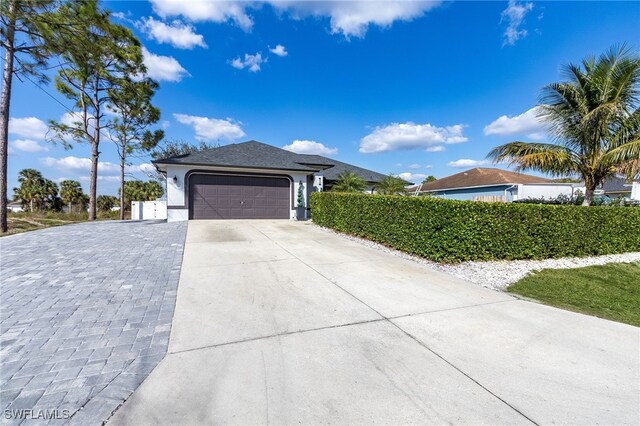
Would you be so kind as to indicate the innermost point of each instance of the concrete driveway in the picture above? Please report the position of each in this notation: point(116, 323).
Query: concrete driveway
point(281, 322)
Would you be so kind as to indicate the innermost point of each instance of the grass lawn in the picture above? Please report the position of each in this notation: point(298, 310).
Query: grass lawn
point(609, 291)
point(25, 221)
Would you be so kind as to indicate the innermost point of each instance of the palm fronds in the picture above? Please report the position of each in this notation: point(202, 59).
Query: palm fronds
point(592, 119)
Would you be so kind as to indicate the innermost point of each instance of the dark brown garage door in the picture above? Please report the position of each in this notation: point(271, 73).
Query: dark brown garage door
point(238, 197)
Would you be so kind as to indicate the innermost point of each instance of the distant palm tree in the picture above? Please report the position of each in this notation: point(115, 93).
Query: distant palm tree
point(349, 182)
point(71, 193)
point(31, 187)
point(593, 120)
point(391, 185)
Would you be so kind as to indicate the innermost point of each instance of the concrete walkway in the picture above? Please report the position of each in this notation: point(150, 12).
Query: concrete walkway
point(279, 322)
point(85, 315)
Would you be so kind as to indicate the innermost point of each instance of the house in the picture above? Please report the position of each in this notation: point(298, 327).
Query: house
point(616, 187)
point(15, 206)
point(249, 180)
point(490, 184)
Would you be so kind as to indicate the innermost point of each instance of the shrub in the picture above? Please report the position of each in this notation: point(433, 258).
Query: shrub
point(455, 231)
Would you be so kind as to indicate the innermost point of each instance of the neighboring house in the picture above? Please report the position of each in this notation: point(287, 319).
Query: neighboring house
point(249, 180)
point(15, 206)
point(616, 187)
point(488, 184)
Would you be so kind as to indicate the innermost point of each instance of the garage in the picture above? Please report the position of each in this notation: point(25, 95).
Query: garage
point(213, 196)
point(248, 180)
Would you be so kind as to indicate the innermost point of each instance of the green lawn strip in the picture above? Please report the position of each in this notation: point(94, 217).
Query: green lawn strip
point(609, 291)
point(17, 226)
point(55, 222)
point(24, 221)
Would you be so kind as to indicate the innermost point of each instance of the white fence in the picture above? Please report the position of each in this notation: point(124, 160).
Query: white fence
point(147, 210)
point(547, 191)
point(635, 191)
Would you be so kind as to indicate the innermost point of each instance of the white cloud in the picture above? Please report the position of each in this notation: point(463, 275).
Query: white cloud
point(350, 18)
point(100, 178)
point(71, 119)
point(28, 145)
point(28, 127)
point(163, 68)
point(252, 62)
point(465, 162)
point(353, 18)
point(83, 164)
point(177, 34)
point(206, 10)
point(414, 166)
point(406, 136)
point(514, 15)
point(72, 163)
point(310, 147)
point(437, 148)
point(208, 129)
point(165, 124)
point(279, 50)
point(145, 168)
point(428, 166)
point(412, 177)
point(526, 123)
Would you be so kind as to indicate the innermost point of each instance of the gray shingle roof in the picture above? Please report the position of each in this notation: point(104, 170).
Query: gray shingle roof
point(338, 167)
point(615, 184)
point(250, 154)
point(253, 154)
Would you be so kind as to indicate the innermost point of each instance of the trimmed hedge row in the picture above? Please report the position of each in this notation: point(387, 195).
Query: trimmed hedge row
point(455, 231)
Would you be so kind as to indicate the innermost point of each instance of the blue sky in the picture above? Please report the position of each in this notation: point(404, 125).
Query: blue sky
point(409, 88)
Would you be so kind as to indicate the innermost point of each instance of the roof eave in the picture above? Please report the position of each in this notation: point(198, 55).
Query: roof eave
point(470, 187)
point(172, 163)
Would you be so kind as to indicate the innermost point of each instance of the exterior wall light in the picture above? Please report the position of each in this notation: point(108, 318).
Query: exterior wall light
point(175, 179)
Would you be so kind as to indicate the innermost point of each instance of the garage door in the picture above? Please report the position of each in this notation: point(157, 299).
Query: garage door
point(238, 197)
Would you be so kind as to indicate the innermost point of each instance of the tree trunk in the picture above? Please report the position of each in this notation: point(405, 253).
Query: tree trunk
point(122, 155)
point(588, 195)
point(31, 205)
point(95, 143)
point(5, 101)
point(93, 183)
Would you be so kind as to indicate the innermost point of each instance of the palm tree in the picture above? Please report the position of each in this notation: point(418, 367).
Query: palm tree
point(71, 193)
point(593, 121)
point(349, 182)
point(31, 185)
point(391, 185)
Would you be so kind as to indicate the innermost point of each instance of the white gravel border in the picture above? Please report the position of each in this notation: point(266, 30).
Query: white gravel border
point(497, 275)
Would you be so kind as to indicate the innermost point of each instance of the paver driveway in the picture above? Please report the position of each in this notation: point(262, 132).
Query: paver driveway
point(85, 315)
point(280, 322)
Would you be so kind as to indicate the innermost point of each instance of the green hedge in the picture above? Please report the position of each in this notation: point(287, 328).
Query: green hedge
point(456, 231)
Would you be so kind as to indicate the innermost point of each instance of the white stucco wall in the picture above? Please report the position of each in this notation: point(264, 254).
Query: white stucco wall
point(175, 188)
point(177, 215)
